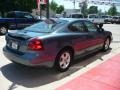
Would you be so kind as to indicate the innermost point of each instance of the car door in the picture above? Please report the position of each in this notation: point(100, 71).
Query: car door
point(97, 38)
point(80, 39)
point(20, 20)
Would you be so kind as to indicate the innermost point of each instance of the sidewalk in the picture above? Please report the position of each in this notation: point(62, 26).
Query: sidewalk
point(105, 76)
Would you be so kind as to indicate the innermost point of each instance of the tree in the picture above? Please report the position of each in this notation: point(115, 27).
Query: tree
point(113, 10)
point(5, 6)
point(15, 5)
point(53, 5)
point(25, 5)
point(60, 9)
point(93, 10)
point(99, 12)
point(84, 8)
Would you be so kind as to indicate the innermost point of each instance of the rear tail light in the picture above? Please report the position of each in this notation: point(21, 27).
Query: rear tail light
point(35, 44)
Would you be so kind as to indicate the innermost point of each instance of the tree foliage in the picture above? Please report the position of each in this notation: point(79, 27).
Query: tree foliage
point(60, 9)
point(56, 8)
point(112, 11)
point(17, 5)
point(93, 10)
point(53, 5)
point(84, 8)
point(99, 12)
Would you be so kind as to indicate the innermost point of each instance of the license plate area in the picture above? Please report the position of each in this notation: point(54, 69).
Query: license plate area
point(14, 45)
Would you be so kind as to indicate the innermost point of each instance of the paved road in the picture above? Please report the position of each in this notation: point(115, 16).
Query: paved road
point(13, 77)
point(115, 29)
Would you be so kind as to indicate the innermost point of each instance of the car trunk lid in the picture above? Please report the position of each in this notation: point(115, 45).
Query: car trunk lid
point(18, 41)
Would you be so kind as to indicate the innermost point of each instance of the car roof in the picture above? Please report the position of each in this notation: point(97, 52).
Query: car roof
point(76, 13)
point(17, 12)
point(70, 19)
point(92, 14)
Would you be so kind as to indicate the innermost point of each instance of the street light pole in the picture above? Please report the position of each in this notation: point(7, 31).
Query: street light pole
point(47, 9)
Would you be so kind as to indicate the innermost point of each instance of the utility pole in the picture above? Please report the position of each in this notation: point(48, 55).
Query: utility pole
point(74, 2)
point(47, 9)
point(40, 11)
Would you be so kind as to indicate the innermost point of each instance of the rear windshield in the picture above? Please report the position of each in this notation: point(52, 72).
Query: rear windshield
point(93, 16)
point(47, 26)
point(115, 17)
point(105, 16)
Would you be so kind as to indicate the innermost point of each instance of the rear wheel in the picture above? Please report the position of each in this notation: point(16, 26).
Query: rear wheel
point(3, 30)
point(106, 45)
point(63, 60)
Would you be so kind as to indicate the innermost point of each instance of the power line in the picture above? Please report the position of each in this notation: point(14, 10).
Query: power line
point(105, 2)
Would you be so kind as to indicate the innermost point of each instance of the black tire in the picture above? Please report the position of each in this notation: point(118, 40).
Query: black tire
point(106, 45)
point(60, 67)
point(3, 30)
point(16, 63)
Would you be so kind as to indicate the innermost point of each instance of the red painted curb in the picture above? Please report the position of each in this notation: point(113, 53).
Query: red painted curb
point(105, 76)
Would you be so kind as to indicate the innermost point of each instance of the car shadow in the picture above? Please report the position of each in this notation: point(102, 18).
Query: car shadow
point(34, 77)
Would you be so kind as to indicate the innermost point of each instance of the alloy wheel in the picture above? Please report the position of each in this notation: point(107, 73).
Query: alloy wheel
point(3, 30)
point(64, 60)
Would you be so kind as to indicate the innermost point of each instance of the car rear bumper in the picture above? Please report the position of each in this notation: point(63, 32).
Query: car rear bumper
point(23, 60)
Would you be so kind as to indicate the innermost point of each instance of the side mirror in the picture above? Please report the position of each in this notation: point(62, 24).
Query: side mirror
point(100, 30)
point(100, 25)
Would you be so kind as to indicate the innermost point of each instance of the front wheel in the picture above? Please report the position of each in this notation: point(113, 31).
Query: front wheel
point(106, 45)
point(3, 30)
point(63, 60)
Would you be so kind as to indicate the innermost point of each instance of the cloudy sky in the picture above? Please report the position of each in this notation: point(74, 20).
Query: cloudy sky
point(69, 4)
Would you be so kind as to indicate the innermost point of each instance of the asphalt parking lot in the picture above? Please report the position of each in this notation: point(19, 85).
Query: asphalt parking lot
point(13, 77)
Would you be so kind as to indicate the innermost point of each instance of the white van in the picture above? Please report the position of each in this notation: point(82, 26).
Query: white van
point(95, 19)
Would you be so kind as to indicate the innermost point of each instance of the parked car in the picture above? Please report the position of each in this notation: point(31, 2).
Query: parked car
point(55, 43)
point(16, 20)
point(115, 19)
point(76, 15)
point(107, 18)
point(95, 19)
point(59, 16)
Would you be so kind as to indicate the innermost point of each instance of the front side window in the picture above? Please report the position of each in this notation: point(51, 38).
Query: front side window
point(28, 16)
point(77, 26)
point(90, 26)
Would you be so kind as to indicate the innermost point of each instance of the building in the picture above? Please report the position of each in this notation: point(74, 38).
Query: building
point(70, 11)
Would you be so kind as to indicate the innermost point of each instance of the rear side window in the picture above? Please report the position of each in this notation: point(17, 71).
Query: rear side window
point(90, 26)
point(10, 15)
point(76, 26)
